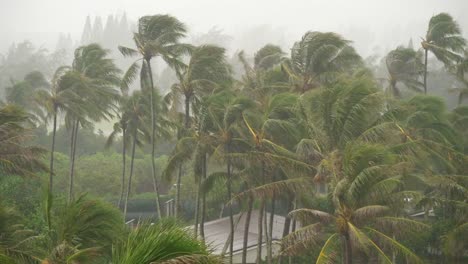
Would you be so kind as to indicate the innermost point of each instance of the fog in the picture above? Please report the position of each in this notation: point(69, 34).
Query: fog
point(375, 26)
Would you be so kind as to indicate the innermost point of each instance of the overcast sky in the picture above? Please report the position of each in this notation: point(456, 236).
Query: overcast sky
point(388, 21)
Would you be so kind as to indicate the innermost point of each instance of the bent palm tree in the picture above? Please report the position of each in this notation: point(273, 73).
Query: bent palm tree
point(444, 40)
point(206, 70)
point(364, 199)
point(318, 58)
point(164, 242)
point(157, 36)
point(16, 157)
point(404, 65)
point(94, 78)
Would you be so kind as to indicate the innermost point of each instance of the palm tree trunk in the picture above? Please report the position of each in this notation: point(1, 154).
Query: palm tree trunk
point(270, 230)
point(425, 70)
point(124, 153)
point(293, 227)
point(460, 98)
point(246, 229)
point(348, 254)
point(74, 137)
point(231, 217)
point(52, 150)
point(153, 135)
point(287, 224)
point(260, 220)
point(129, 185)
point(197, 208)
point(261, 210)
point(267, 234)
point(203, 206)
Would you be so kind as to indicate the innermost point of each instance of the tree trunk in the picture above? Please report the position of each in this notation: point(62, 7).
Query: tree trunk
point(52, 150)
point(197, 207)
point(293, 227)
point(203, 206)
point(246, 228)
point(460, 98)
point(124, 153)
point(153, 135)
point(178, 182)
point(267, 234)
point(261, 210)
point(425, 70)
point(287, 224)
point(260, 220)
point(348, 253)
point(231, 217)
point(270, 230)
point(187, 112)
point(74, 137)
point(130, 177)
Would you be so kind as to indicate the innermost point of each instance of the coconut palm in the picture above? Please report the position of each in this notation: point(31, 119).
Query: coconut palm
point(22, 93)
point(135, 110)
point(55, 99)
point(318, 58)
point(405, 66)
point(81, 231)
point(460, 69)
point(163, 242)
point(17, 158)
point(365, 223)
point(444, 40)
point(121, 127)
point(157, 36)
point(225, 111)
point(206, 70)
point(94, 77)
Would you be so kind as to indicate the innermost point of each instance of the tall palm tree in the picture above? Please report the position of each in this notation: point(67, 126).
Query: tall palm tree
point(225, 110)
point(444, 40)
point(95, 79)
point(121, 127)
point(364, 224)
point(404, 65)
point(136, 111)
point(55, 99)
point(206, 70)
point(318, 58)
point(157, 36)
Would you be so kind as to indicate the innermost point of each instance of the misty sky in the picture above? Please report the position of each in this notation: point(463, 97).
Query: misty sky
point(367, 22)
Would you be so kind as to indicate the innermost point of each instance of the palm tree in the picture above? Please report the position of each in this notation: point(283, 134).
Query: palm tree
point(225, 110)
point(404, 65)
point(22, 93)
point(55, 99)
point(164, 242)
point(136, 115)
point(94, 77)
point(461, 68)
point(17, 158)
point(121, 127)
point(365, 199)
point(206, 70)
point(77, 232)
point(157, 36)
point(267, 128)
point(444, 40)
point(318, 58)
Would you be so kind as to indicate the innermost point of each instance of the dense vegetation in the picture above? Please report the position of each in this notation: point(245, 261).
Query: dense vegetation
point(365, 161)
